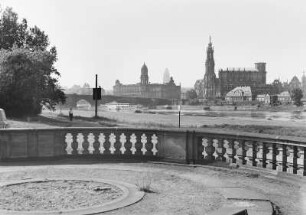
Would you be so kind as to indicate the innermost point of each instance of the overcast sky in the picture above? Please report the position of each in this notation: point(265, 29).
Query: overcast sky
point(113, 38)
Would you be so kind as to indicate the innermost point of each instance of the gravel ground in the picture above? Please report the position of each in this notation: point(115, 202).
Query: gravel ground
point(56, 195)
point(174, 189)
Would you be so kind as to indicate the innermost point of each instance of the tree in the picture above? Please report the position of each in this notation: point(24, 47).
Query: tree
point(296, 96)
point(199, 87)
point(191, 95)
point(277, 86)
point(28, 78)
point(28, 81)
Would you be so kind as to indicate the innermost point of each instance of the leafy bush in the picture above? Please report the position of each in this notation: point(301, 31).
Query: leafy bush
point(28, 78)
point(296, 96)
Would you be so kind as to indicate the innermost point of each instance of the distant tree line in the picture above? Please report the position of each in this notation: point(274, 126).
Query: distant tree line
point(86, 89)
point(28, 78)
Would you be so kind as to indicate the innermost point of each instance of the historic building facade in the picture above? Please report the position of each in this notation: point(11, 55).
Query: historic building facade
point(212, 87)
point(145, 89)
point(254, 78)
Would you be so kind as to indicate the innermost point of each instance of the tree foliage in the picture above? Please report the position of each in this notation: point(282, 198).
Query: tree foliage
point(296, 96)
point(28, 78)
point(192, 97)
point(277, 86)
point(191, 94)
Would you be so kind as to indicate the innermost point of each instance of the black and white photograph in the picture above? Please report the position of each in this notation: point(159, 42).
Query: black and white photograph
point(156, 107)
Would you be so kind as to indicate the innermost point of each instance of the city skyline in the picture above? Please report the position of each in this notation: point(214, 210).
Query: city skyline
point(114, 38)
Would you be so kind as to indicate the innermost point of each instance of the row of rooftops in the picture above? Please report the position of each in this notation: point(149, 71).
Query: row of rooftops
point(237, 69)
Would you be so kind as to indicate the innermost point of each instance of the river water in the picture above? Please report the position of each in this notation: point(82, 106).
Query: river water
point(273, 115)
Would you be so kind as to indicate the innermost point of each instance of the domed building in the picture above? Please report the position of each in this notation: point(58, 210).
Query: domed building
point(145, 89)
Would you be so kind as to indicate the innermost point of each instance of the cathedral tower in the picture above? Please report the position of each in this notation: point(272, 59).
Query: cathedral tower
point(144, 78)
point(209, 91)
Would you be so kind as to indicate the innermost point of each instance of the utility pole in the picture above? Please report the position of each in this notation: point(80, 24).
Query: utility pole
point(96, 98)
point(179, 109)
point(96, 94)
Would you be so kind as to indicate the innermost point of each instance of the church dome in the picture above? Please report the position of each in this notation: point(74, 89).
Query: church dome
point(144, 69)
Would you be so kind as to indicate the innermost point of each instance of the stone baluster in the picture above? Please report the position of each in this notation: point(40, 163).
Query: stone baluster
point(227, 150)
point(279, 157)
point(112, 140)
point(269, 155)
point(220, 149)
point(201, 148)
point(133, 141)
point(68, 143)
point(154, 140)
point(144, 141)
point(80, 140)
point(91, 141)
point(290, 158)
point(237, 151)
point(101, 140)
point(122, 140)
point(215, 145)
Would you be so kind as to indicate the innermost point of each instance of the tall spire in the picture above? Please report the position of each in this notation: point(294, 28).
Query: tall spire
point(209, 76)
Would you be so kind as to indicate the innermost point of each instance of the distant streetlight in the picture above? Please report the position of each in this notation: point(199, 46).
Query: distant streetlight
point(179, 119)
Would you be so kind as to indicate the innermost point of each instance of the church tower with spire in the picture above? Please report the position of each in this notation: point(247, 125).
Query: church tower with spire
point(210, 88)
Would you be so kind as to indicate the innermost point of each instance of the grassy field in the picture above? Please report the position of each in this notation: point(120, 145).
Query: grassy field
point(286, 126)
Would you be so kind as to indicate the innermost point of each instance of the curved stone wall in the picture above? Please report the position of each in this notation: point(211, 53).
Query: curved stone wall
point(285, 154)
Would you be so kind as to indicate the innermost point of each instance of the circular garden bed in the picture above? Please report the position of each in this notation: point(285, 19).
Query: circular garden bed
point(53, 196)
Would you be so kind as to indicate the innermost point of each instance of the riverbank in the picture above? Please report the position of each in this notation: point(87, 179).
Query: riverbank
point(256, 122)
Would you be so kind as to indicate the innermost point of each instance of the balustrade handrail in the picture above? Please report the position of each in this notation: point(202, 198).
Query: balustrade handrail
point(268, 138)
point(195, 145)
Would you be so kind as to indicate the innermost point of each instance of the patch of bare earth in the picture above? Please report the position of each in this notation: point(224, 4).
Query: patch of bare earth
point(169, 193)
point(56, 195)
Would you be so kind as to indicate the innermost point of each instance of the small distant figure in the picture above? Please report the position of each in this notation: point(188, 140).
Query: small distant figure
point(70, 114)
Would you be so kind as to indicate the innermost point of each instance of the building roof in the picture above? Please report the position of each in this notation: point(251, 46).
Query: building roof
point(285, 93)
point(240, 91)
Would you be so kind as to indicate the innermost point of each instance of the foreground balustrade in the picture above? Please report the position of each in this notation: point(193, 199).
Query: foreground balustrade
point(285, 155)
point(282, 154)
